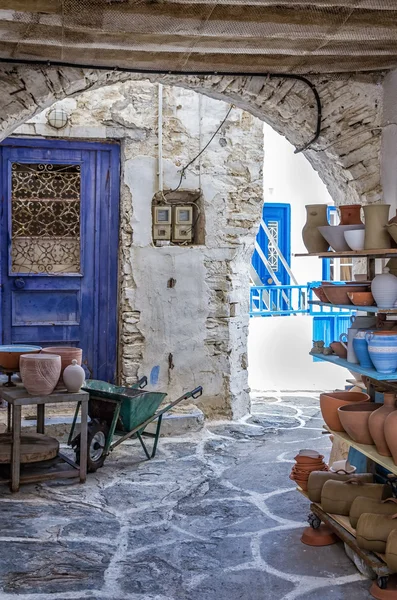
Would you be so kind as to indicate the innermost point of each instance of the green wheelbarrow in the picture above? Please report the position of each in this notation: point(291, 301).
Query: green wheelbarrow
point(123, 412)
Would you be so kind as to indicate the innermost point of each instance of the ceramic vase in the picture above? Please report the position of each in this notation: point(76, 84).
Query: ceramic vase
point(346, 339)
point(73, 377)
point(67, 354)
point(40, 373)
point(382, 348)
point(384, 289)
point(350, 214)
point(390, 434)
point(376, 220)
point(316, 216)
point(360, 346)
point(376, 424)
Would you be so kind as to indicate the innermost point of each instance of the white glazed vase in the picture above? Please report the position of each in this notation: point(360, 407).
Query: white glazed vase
point(73, 377)
point(384, 289)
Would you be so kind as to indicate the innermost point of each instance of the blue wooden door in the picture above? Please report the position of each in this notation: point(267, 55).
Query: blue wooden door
point(59, 240)
point(278, 220)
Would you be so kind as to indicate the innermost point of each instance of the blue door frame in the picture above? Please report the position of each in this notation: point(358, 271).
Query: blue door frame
point(274, 215)
point(70, 308)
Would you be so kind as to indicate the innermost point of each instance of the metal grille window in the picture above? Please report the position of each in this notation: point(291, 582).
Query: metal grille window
point(272, 254)
point(45, 213)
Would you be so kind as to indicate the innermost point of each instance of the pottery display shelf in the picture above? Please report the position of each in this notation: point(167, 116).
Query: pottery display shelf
point(376, 253)
point(60, 467)
point(368, 309)
point(342, 362)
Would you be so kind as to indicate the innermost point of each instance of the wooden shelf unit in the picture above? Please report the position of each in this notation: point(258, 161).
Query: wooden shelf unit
point(376, 253)
point(342, 362)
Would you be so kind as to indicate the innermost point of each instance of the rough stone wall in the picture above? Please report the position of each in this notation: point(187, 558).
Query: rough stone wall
point(346, 156)
point(197, 331)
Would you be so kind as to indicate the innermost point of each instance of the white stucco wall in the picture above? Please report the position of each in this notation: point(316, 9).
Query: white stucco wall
point(195, 332)
point(278, 348)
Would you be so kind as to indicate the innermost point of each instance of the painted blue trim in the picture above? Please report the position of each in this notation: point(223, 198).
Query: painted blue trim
point(326, 263)
point(56, 143)
point(281, 213)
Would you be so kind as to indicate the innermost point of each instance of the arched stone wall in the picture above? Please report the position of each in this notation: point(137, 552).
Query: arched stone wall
point(346, 155)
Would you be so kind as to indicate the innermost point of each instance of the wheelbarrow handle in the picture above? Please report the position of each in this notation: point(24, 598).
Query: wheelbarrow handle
point(142, 383)
point(196, 393)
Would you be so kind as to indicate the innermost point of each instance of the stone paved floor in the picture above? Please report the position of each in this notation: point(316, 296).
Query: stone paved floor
point(213, 517)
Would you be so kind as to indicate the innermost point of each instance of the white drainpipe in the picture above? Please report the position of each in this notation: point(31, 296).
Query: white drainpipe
point(160, 137)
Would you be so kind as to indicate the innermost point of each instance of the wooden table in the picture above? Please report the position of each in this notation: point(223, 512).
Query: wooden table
point(18, 397)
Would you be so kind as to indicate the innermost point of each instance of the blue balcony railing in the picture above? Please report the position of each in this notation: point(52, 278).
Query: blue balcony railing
point(283, 300)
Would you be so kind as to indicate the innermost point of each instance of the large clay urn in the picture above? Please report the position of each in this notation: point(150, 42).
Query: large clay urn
point(350, 214)
point(376, 220)
point(316, 216)
point(391, 434)
point(376, 424)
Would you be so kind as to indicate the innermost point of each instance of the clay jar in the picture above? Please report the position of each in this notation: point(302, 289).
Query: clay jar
point(350, 214)
point(384, 289)
point(67, 354)
point(73, 377)
point(337, 496)
point(316, 216)
point(40, 373)
point(376, 424)
point(391, 551)
point(330, 402)
point(376, 220)
point(390, 434)
point(317, 479)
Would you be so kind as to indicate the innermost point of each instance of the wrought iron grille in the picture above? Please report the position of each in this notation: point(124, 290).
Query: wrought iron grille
point(272, 254)
point(45, 218)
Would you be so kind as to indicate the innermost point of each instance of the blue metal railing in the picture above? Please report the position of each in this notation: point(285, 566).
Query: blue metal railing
point(283, 300)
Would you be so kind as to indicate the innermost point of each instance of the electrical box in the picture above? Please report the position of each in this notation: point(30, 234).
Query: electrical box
point(162, 223)
point(182, 224)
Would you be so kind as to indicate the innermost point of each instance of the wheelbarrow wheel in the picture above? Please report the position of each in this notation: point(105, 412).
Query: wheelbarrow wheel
point(96, 439)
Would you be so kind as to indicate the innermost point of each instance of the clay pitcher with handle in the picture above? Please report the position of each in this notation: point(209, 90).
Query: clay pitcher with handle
point(376, 424)
point(312, 238)
point(390, 434)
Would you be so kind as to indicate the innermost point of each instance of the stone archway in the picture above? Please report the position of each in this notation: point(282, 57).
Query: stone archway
point(346, 155)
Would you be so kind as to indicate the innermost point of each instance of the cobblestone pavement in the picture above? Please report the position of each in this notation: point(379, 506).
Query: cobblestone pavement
point(213, 517)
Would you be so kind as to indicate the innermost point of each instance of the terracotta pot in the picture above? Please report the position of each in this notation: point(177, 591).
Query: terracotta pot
point(40, 373)
point(361, 298)
point(339, 349)
point(373, 530)
point(363, 505)
point(308, 460)
point(337, 294)
point(67, 354)
point(354, 419)
point(330, 402)
point(350, 214)
point(317, 479)
point(376, 220)
point(316, 215)
point(319, 292)
point(9, 355)
point(391, 551)
point(390, 429)
point(376, 424)
point(337, 496)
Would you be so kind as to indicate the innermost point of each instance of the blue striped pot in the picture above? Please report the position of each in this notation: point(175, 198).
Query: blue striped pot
point(382, 349)
point(360, 346)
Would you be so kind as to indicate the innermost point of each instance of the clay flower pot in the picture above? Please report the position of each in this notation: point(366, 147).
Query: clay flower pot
point(376, 424)
point(390, 429)
point(354, 419)
point(9, 355)
point(330, 402)
point(316, 215)
point(67, 354)
point(350, 214)
point(319, 292)
point(337, 294)
point(339, 349)
point(361, 298)
point(40, 373)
